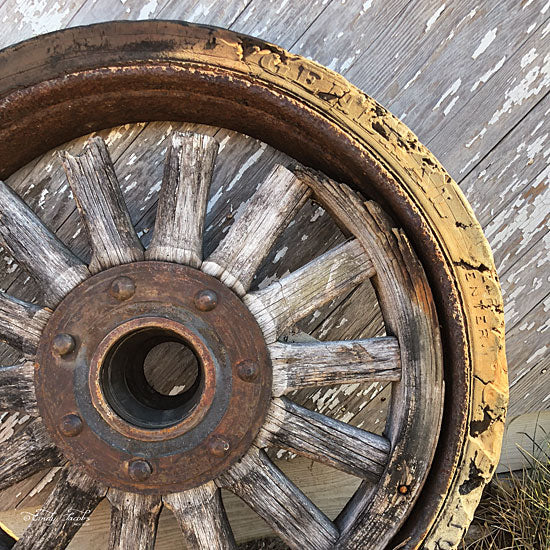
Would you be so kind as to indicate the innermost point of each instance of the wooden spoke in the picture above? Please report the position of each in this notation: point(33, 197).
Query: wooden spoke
point(21, 323)
point(300, 524)
point(308, 364)
point(99, 199)
point(71, 502)
point(17, 388)
point(251, 237)
point(134, 519)
point(202, 518)
point(183, 197)
point(27, 453)
point(295, 296)
point(37, 249)
point(324, 439)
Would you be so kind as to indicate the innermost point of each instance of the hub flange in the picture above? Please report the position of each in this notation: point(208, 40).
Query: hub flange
point(185, 439)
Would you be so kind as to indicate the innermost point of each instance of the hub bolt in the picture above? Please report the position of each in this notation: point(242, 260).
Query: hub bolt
point(248, 371)
point(218, 446)
point(140, 470)
point(123, 288)
point(63, 344)
point(71, 425)
point(206, 300)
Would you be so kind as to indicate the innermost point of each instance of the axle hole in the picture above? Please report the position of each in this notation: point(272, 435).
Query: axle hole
point(152, 378)
point(171, 368)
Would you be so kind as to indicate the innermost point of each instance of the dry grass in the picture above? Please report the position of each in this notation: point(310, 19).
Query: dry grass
point(514, 512)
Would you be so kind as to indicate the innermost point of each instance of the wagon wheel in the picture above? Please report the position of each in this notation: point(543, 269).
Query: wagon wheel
point(141, 449)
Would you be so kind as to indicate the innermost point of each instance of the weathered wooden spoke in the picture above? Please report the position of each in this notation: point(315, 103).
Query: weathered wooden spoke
point(26, 453)
point(183, 197)
point(21, 323)
point(134, 519)
point(325, 440)
point(74, 498)
point(17, 388)
point(309, 364)
point(285, 302)
point(257, 481)
point(251, 237)
point(201, 516)
point(99, 199)
point(56, 269)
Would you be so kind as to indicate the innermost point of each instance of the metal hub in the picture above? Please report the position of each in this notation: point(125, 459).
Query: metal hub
point(97, 403)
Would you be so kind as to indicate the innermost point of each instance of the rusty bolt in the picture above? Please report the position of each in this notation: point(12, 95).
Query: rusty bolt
point(218, 446)
point(63, 344)
point(403, 489)
point(139, 470)
point(71, 425)
point(206, 300)
point(123, 288)
point(248, 371)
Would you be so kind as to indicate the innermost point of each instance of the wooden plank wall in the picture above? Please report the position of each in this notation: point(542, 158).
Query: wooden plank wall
point(471, 79)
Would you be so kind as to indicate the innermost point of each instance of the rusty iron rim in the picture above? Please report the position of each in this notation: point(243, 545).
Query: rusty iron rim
point(141, 78)
point(105, 416)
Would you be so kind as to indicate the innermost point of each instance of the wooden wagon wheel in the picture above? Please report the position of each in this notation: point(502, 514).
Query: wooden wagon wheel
point(86, 344)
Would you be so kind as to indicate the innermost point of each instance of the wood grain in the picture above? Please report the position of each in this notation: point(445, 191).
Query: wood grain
point(324, 439)
point(74, 498)
point(251, 237)
point(134, 519)
point(285, 302)
point(21, 323)
point(26, 453)
point(257, 481)
point(303, 365)
point(179, 224)
point(99, 199)
point(37, 249)
point(202, 518)
point(17, 388)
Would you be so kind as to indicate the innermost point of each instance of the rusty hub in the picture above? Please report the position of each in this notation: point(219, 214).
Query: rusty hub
point(97, 403)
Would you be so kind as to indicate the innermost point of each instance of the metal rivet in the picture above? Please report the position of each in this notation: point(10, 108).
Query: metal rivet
point(140, 470)
point(248, 371)
point(403, 489)
point(206, 300)
point(218, 446)
point(71, 425)
point(63, 344)
point(123, 288)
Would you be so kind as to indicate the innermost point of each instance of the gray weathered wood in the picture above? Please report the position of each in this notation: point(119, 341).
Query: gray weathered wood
point(37, 249)
point(134, 519)
point(324, 439)
point(99, 199)
point(251, 237)
point(279, 502)
point(17, 388)
point(181, 208)
point(417, 400)
point(26, 453)
point(201, 516)
point(303, 365)
point(21, 323)
point(74, 498)
point(285, 302)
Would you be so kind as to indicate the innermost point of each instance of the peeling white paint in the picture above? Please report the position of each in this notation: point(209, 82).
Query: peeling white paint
point(280, 254)
point(447, 109)
point(529, 57)
point(451, 91)
point(418, 73)
point(472, 161)
point(486, 41)
point(484, 77)
point(434, 18)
